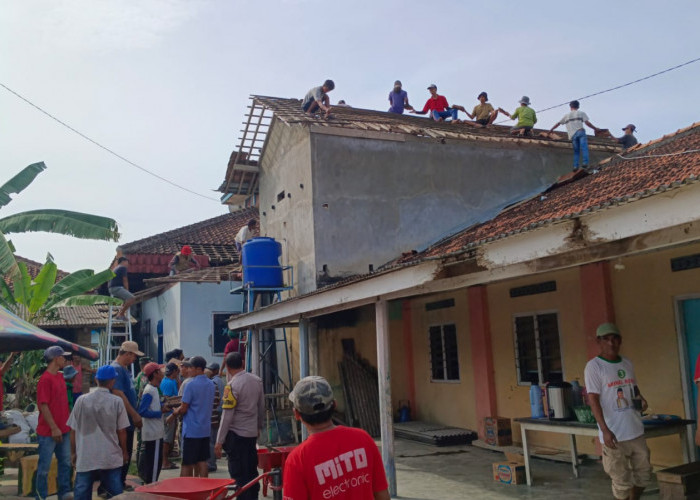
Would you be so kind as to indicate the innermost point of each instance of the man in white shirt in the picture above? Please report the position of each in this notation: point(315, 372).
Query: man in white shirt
point(574, 121)
point(610, 380)
point(246, 233)
point(98, 438)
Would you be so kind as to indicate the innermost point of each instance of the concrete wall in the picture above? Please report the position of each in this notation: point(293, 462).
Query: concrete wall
point(165, 306)
point(286, 166)
point(373, 199)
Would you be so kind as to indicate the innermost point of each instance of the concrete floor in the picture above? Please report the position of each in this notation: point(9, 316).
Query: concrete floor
point(426, 472)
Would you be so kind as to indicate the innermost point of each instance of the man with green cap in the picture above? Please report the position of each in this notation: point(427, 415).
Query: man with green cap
point(610, 379)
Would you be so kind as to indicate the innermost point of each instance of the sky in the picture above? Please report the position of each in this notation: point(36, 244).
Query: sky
point(165, 83)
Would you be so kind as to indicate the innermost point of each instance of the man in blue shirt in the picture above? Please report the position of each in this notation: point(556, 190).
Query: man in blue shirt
point(398, 99)
point(124, 388)
point(196, 408)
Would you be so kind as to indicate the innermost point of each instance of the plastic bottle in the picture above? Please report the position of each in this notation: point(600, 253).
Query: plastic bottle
point(536, 406)
point(576, 393)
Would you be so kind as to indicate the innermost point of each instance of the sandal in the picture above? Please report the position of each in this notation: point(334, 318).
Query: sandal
point(171, 466)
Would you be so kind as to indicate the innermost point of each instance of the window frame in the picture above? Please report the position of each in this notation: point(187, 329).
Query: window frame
point(444, 360)
point(212, 333)
point(538, 348)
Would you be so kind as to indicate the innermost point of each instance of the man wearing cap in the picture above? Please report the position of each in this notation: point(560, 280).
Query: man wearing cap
point(526, 117)
point(438, 107)
point(335, 461)
point(241, 422)
point(212, 372)
point(52, 430)
point(98, 438)
point(628, 140)
point(398, 99)
point(119, 287)
point(124, 388)
point(621, 431)
point(152, 432)
point(168, 387)
point(483, 113)
point(196, 408)
point(317, 99)
point(182, 261)
point(574, 121)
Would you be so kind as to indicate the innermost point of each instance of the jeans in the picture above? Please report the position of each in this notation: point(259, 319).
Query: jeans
point(450, 113)
point(580, 143)
point(47, 448)
point(110, 480)
point(242, 462)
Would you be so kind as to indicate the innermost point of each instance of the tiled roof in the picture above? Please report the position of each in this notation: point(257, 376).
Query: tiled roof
point(644, 170)
point(289, 111)
point(80, 316)
point(213, 238)
point(207, 275)
point(33, 267)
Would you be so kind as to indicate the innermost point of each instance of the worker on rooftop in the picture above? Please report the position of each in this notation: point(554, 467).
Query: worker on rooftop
point(483, 113)
point(398, 98)
point(628, 140)
point(526, 117)
point(574, 121)
point(247, 232)
point(438, 107)
point(317, 99)
point(182, 261)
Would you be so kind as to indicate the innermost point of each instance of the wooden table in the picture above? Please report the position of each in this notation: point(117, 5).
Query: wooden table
point(574, 428)
point(15, 451)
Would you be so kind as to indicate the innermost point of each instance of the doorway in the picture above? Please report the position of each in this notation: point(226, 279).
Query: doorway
point(688, 321)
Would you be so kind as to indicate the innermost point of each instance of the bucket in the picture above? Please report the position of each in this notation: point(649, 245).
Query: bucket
point(261, 265)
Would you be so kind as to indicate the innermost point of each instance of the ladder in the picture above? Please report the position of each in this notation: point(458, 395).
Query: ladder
point(118, 331)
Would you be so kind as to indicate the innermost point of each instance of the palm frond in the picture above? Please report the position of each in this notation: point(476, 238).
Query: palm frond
point(20, 181)
point(77, 224)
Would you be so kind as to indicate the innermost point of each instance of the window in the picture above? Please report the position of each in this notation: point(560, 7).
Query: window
point(444, 360)
point(220, 332)
point(537, 350)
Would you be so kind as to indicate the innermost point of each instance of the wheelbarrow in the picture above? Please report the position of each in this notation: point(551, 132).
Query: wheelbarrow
point(272, 458)
point(204, 488)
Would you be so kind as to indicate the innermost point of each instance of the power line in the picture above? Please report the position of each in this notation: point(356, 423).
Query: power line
point(617, 87)
point(110, 151)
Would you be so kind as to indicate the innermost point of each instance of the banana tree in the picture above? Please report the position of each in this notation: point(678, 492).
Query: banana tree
point(77, 224)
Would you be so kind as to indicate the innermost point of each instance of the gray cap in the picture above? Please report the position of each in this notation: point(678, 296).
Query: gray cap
point(525, 100)
point(607, 329)
point(312, 395)
point(214, 367)
point(69, 372)
point(432, 86)
point(54, 352)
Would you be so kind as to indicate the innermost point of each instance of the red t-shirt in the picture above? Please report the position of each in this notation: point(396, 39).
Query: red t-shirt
point(696, 378)
point(52, 390)
point(231, 346)
point(439, 104)
point(339, 464)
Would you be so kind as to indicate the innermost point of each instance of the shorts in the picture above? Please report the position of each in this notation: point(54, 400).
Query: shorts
point(483, 121)
point(627, 465)
point(195, 450)
point(120, 292)
point(169, 436)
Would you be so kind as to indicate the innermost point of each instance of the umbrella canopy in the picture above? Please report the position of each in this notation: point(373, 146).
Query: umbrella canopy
point(18, 335)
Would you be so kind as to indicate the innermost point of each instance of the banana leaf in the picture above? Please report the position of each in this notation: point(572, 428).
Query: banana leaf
point(20, 181)
point(76, 224)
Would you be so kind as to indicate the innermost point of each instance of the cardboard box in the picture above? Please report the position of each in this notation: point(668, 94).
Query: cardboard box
point(497, 431)
point(27, 476)
point(509, 472)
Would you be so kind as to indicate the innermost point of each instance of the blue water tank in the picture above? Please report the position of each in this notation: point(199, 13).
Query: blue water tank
point(261, 263)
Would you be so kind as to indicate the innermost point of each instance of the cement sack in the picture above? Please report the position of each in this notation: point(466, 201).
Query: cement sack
point(16, 417)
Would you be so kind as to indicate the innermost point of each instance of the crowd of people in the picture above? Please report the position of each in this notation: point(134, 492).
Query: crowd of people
point(483, 114)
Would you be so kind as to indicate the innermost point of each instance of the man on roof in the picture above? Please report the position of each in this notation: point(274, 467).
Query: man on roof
point(182, 261)
point(398, 99)
point(317, 99)
point(526, 117)
point(247, 232)
point(574, 121)
point(628, 140)
point(483, 113)
point(438, 107)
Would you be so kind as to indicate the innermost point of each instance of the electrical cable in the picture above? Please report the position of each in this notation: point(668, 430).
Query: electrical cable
point(617, 87)
point(105, 148)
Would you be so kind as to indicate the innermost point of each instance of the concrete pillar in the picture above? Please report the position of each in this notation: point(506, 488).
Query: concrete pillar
point(303, 359)
point(407, 331)
point(254, 341)
point(385, 412)
point(596, 301)
point(482, 355)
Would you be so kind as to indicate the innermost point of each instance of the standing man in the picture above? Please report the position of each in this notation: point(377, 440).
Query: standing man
point(438, 107)
point(52, 430)
point(212, 372)
point(69, 374)
point(196, 408)
point(182, 261)
point(317, 99)
point(241, 422)
point(119, 287)
point(621, 431)
point(398, 99)
point(335, 461)
point(574, 121)
point(244, 234)
point(124, 388)
point(98, 438)
point(168, 387)
point(152, 432)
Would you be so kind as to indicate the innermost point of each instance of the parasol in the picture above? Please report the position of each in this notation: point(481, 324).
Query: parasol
point(18, 335)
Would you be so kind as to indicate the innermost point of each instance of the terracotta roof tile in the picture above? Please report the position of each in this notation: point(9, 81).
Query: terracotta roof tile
point(647, 169)
point(33, 267)
point(80, 316)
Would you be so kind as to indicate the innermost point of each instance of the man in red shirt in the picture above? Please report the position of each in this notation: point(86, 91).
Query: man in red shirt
point(336, 462)
point(52, 430)
point(438, 107)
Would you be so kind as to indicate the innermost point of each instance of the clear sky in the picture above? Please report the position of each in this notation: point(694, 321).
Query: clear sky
point(166, 83)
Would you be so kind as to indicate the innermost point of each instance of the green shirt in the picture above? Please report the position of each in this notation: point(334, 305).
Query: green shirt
point(526, 116)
